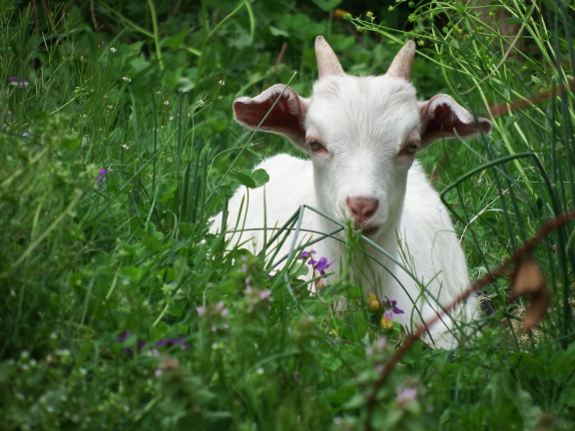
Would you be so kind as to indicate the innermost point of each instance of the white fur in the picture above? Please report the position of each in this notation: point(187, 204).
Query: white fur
point(364, 123)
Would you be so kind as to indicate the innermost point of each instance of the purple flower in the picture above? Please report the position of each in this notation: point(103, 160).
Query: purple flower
point(26, 134)
point(201, 310)
point(392, 303)
point(322, 265)
point(102, 175)
point(319, 265)
point(306, 254)
point(171, 342)
point(18, 82)
point(124, 337)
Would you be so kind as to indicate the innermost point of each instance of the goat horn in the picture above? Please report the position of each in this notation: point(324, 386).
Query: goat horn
point(327, 62)
point(401, 64)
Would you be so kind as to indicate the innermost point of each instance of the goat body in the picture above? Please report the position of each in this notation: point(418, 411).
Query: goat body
point(362, 134)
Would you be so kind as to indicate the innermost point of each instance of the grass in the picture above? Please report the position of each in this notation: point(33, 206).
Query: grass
point(120, 310)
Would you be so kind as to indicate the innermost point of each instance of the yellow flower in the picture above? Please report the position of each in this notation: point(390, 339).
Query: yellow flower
point(340, 13)
point(373, 304)
point(386, 323)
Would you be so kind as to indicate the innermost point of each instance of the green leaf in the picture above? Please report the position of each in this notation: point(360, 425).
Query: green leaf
point(278, 32)
point(69, 144)
point(184, 85)
point(254, 179)
point(355, 402)
point(445, 416)
point(176, 40)
point(327, 5)
point(514, 20)
point(166, 189)
point(131, 272)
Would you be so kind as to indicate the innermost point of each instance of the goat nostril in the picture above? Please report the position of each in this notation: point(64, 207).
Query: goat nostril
point(362, 208)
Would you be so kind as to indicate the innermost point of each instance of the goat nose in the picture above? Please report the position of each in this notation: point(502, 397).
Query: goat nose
point(362, 208)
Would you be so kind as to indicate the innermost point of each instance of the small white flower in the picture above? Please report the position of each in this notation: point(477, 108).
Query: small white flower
point(222, 82)
point(266, 295)
point(380, 344)
point(166, 102)
point(406, 395)
point(125, 147)
point(112, 50)
point(126, 79)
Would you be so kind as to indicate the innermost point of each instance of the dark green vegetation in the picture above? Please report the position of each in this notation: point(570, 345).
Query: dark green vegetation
point(118, 144)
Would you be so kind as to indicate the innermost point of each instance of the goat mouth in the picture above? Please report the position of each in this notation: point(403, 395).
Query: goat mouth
point(369, 230)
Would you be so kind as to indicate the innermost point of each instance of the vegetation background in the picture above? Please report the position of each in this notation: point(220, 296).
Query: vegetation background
point(117, 144)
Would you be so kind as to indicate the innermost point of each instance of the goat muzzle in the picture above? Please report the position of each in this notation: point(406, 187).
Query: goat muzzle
point(362, 208)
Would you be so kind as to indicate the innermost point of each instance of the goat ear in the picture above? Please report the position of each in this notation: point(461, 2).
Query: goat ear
point(286, 118)
point(442, 117)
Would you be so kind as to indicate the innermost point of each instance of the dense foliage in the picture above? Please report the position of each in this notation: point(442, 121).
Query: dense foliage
point(117, 144)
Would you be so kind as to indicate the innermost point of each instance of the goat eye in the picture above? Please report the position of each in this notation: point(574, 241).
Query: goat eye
point(315, 146)
point(411, 148)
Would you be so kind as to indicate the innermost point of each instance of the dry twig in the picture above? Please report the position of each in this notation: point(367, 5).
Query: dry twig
point(487, 279)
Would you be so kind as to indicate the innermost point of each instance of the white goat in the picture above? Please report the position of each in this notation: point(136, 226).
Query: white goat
point(362, 134)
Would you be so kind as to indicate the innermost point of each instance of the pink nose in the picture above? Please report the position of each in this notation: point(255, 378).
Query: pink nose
point(362, 208)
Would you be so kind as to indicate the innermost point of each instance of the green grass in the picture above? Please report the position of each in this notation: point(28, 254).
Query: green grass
point(86, 255)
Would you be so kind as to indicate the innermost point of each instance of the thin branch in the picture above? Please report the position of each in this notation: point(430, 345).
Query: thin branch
point(280, 56)
point(487, 279)
point(36, 18)
point(511, 107)
point(93, 15)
